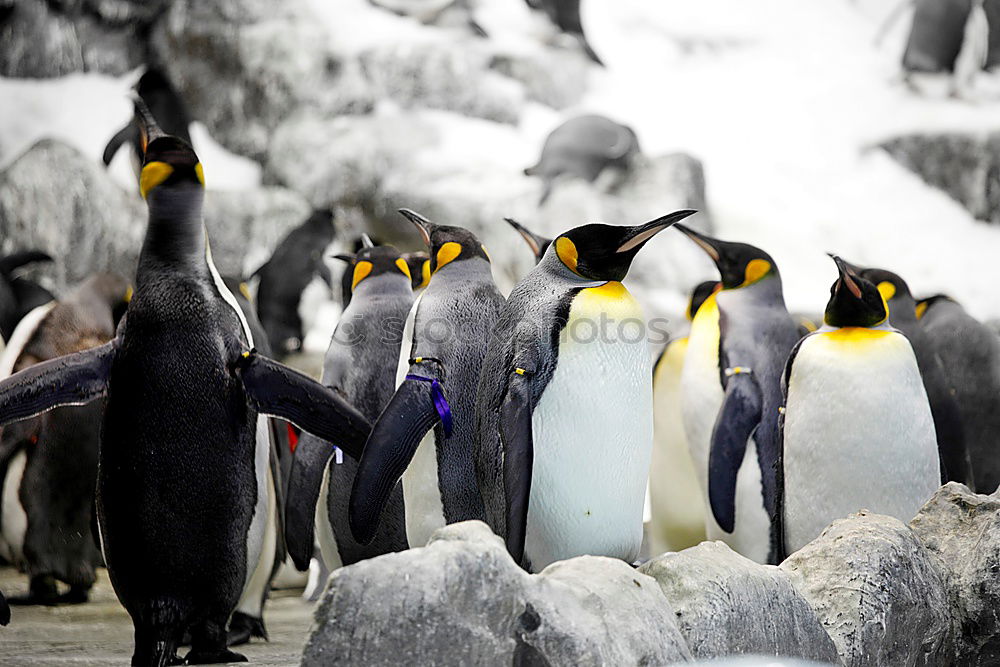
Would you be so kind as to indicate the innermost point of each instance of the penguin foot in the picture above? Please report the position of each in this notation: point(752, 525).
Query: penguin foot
point(196, 657)
point(42, 590)
point(242, 627)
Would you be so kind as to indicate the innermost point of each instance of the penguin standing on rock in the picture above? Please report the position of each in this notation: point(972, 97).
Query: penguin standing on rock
point(50, 462)
point(857, 430)
point(944, 406)
point(731, 386)
point(427, 432)
point(564, 410)
point(184, 447)
point(361, 366)
point(970, 357)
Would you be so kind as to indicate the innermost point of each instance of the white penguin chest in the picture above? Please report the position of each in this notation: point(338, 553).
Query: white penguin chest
point(592, 430)
point(701, 389)
point(858, 432)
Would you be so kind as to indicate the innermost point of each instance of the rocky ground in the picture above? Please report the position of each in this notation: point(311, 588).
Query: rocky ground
point(100, 633)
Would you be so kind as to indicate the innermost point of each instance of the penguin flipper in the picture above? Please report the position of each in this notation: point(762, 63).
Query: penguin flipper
point(123, 135)
point(395, 437)
point(73, 379)
point(738, 417)
point(19, 259)
point(304, 482)
point(518, 459)
point(279, 391)
point(4, 611)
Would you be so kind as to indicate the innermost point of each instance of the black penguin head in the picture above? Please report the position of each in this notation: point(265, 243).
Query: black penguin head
point(699, 296)
point(372, 260)
point(538, 244)
point(923, 305)
point(420, 268)
point(890, 285)
point(446, 244)
point(605, 252)
point(169, 163)
point(739, 264)
point(854, 300)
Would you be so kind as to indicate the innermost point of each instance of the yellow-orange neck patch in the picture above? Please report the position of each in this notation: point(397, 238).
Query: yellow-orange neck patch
point(361, 271)
point(567, 253)
point(755, 270)
point(887, 290)
point(921, 309)
point(425, 273)
point(447, 253)
point(152, 175)
point(401, 264)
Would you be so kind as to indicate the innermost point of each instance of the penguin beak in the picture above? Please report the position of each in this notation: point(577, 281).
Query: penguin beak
point(847, 276)
point(149, 129)
point(344, 257)
point(535, 242)
point(423, 225)
point(706, 243)
point(642, 233)
point(366, 241)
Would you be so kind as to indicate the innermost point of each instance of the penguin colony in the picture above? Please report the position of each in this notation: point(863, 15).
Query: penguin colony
point(153, 413)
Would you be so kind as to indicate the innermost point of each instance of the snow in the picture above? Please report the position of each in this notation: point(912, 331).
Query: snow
point(781, 99)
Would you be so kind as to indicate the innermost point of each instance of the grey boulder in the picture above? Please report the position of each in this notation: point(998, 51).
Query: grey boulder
point(729, 605)
point(463, 600)
point(877, 591)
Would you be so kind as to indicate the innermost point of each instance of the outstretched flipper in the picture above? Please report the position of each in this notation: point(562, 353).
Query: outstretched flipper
point(4, 611)
point(278, 391)
point(75, 379)
point(123, 135)
point(410, 414)
point(518, 459)
point(738, 417)
point(304, 483)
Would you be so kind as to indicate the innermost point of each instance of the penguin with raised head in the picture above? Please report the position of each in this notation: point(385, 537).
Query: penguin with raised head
point(49, 463)
point(538, 244)
point(19, 296)
point(360, 365)
point(857, 429)
point(677, 518)
point(184, 446)
point(292, 266)
point(167, 107)
point(944, 406)
point(426, 434)
point(970, 358)
point(418, 263)
point(566, 384)
point(731, 391)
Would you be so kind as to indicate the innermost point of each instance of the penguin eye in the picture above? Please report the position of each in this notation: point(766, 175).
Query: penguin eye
point(152, 175)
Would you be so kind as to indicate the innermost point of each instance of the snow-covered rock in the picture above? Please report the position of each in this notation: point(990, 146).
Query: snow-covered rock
point(729, 605)
point(961, 530)
point(463, 600)
point(877, 592)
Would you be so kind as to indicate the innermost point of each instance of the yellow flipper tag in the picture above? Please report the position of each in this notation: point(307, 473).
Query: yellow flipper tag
point(519, 371)
point(128, 294)
point(152, 175)
point(417, 360)
point(401, 263)
point(448, 252)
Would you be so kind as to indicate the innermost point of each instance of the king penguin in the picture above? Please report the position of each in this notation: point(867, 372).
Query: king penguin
point(677, 519)
point(731, 391)
point(857, 430)
point(360, 365)
point(944, 407)
point(184, 447)
point(49, 463)
point(444, 342)
point(970, 355)
point(564, 410)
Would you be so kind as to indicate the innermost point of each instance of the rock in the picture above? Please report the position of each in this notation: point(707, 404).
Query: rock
point(55, 199)
point(729, 605)
point(462, 600)
point(243, 66)
point(965, 166)
point(555, 77)
point(46, 39)
point(877, 592)
point(246, 226)
point(961, 530)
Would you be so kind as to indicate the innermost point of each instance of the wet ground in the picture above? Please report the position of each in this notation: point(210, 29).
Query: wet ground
point(100, 632)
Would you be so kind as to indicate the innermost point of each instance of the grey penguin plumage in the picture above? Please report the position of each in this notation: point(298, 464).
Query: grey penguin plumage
point(444, 342)
point(731, 386)
point(856, 426)
point(360, 364)
point(554, 403)
point(970, 357)
point(948, 424)
point(53, 489)
point(184, 445)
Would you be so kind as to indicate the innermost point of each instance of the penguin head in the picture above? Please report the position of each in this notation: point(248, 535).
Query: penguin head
point(893, 289)
point(739, 264)
point(446, 244)
point(699, 295)
point(605, 252)
point(420, 268)
point(371, 261)
point(168, 163)
point(854, 301)
point(538, 244)
point(929, 302)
